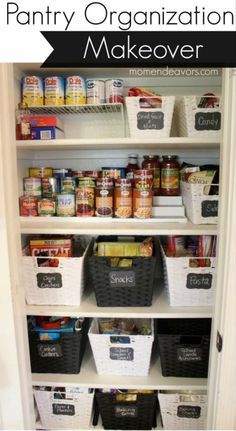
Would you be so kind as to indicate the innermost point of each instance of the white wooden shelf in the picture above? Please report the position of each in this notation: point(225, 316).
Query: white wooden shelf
point(159, 309)
point(88, 377)
point(119, 143)
point(97, 226)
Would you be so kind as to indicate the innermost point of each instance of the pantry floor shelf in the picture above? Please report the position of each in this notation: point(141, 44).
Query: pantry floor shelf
point(159, 309)
point(97, 226)
point(88, 377)
point(119, 143)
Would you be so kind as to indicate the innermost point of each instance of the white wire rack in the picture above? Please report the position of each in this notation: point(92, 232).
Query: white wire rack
point(78, 109)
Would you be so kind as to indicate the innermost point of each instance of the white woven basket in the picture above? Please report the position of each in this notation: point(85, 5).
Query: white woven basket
point(134, 111)
point(72, 413)
point(196, 202)
point(68, 276)
point(177, 409)
point(136, 353)
point(188, 115)
point(189, 286)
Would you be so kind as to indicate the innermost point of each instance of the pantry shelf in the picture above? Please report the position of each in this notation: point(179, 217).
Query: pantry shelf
point(88, 377)
point(77, 109)
point(159, 309)
point(97, 226)
point(119, 143)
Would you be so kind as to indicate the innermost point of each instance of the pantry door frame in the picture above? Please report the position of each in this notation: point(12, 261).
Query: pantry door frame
point(16, 400)
point(222, 371)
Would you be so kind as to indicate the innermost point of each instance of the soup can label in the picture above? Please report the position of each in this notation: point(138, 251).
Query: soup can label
point(142, 203)
point(65, 205)
point(40, 172)
point(28, 206)
point(32, 90)
point(114, 91)
point(68, 185)
point(46, 207)
point(85, 201)
point(54, 91)
point(32, 186)
point(75, 90)
point(95, 90)
point(49, 187)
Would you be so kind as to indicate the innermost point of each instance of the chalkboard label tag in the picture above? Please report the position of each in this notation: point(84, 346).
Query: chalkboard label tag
point(63, 409)
point(207, 121)
point(150, 120)
point(49, 350)
point(189, 354)
point(122, 279)
point(193, 412)
point(49, 280)
point(126, 411)
point(121, 353)
point(199, 281)
point(210, 208)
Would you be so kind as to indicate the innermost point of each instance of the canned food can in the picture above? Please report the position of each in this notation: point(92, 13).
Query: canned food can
point(113, 172)
point(142, 203)
point(95, 91)
point(49, 187)
point(59, 174)
point(47, 207)
point(65, 205)
point(75, 90)
point(87, 182)
point(40, 172)
point(32, 91)
point(91, 174)
point(68, 185)
point(28, 206)
point(143, 179)
point(114, 89)
point(85, 201)
point(32, 186)
point(54, 91)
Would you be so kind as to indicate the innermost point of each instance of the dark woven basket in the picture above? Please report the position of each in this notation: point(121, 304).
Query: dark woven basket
point(68, 352)
point(130, 415)
point(134, 287)
point(184, 347)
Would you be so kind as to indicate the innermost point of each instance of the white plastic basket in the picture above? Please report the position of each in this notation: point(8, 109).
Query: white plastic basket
point(201, 208)
point(150, 122)
point(129, 358)
point(197, 122)
point(73, 412)
point(183, 411)
point(62, 285)
point(189, 286)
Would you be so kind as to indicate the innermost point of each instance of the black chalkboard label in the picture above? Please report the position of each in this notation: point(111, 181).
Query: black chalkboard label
point(126, 411)
point(189, 354)
point(122, 279)
point(199, 281)
point(49, 280)
point(121, 353)
point(150, 120)
point(193, 412)
point(209, 208)
point(208, 121)
point(49, 350)
point(63, 409)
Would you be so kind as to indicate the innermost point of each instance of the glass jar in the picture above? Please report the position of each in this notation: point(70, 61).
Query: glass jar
point(132, 165)
point(152, 163)
point(170, 176)
point(23, 125)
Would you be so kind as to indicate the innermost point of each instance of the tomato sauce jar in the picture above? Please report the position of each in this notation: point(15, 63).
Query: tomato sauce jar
point(123, 198)
point(170, 176)
point(152, 163)
point(143, 179)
